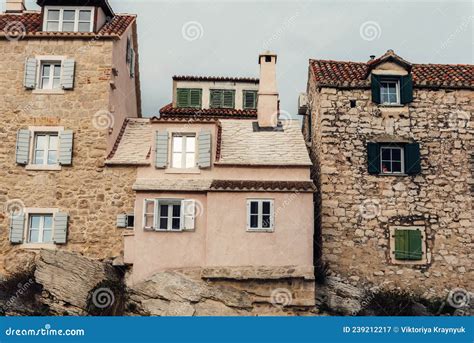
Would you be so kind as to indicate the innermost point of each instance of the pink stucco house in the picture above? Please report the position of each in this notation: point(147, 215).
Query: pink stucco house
point(221, 180)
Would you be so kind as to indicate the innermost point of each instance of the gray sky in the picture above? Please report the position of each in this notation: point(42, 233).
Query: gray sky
point(224, 38)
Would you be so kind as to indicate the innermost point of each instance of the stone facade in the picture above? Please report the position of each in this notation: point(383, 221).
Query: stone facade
point(91, 194)
point(358, 209)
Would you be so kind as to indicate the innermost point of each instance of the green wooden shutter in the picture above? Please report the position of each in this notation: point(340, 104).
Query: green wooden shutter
point(412, 159)
point(195, 98)
point(414, 245)
point(22, 146)
point(216, 98)
point(17, 226)
point(60, 228)
point(373, 158)
point(250, 99)
point(375, 85)
point(65, 147)
point(401, 244)
point(229, 99)
point(30, 73)
point(67, 77)
point(182, 97)
point(161, 149)
point(406, 89)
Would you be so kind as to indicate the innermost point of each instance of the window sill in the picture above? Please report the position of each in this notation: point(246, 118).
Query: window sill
point(55, 167)
point(260, 230)
point(182, 171)
point(410, 263)
point(49, 91)
point(387, 174)
point(392, 105)
point(38, 246)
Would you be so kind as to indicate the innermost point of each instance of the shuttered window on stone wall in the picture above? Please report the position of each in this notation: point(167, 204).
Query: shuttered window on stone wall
point(411, 162)
point(408, 244)
point(222, 98)
point(405, 87)
point(189, 97)
point(250, 99)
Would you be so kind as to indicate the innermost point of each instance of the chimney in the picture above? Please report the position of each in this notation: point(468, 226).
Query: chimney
point(267, 108)
point(15, 6)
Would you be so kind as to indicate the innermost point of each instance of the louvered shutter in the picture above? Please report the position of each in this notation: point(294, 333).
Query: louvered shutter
point(127, 52)
point(195, 98)
point(122, 220)
point(60, 227)
point(65, 147)
point(228, 101)
point(216, 98)
point(375, 85)
point(408, 245)
point(373, 158)
point(161, 149)
point(204, 141)
point(401, 244)
point(412, 159)
point(17, 226)
point(30, 73)
point(188, 214)
point(406, 89)
point(250, 98)
point(67, 77)
point(182, 97)
point(22, 146)
point(414, 244)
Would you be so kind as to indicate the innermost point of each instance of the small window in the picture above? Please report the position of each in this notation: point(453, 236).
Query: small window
point(40, 228)
point(392, 160)
point(130, 221)
point(188, 97)
point(390, 92)
point(169, 215)
point(408, 244)
point(183, 151)
point(50, 75)
point(260, 215)
point(68, 20)
point(250, 99)
point(222, 98)
point(45, 149)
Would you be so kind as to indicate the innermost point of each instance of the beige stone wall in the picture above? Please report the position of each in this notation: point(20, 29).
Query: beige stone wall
point(90, 193)
point(357, 246)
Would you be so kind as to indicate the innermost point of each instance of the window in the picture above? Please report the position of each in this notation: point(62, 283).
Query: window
point(392, 161)
point(250, 99)
point(169, 214)
point(40, 228)
point(260, 215)
point(222, 98)
point(408, 245)
point(50, 75)
point(130, 221)
point(390, 92)
point(68, 19)
point(45, 149)
point(189, 97)
point(184, 151)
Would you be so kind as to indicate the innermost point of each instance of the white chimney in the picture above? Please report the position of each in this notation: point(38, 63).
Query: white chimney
point(267, 108)
point(15, 6)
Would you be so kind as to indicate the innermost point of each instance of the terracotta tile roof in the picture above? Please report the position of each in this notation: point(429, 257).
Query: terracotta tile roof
point(215, 78)
point(262, 186)
point(169, 110)
point(29, 24)
point(342, 74)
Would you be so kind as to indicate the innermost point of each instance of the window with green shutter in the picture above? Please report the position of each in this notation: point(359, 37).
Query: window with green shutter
point(222, 98)
point(408, 244)
point(189, 97)
point(250, 99)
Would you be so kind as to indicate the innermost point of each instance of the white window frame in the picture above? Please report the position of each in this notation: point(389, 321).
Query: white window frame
point(402, 160)
point(260, 227)
point(183, 151)
point(46, 149)
point(76, 17)
point(169, 215)
point(41, 227)
point(187, 215)
point(28, 212)
point(397, 89)
point(51, 76)
point(34, 131)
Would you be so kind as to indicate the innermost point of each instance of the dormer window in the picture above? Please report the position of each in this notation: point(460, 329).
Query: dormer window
point(68, 19)
point(390, 92)
point(222, 98)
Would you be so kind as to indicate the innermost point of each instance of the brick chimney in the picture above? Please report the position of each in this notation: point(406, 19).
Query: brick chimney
point(15, 6)
point(267, 108)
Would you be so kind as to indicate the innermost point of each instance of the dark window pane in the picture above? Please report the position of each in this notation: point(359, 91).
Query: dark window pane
point(266, 221)
point(254, 207)
point(176, 210)
point(386, 167)
point(163, 210)
point(385, 154)
point(266, 207)
point(396, 167)
point(253, 221)
point(175, 224)
point(163, 223)
point(130, 221)
point(396, 155)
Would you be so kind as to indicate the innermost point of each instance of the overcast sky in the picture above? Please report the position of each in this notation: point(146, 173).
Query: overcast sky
point(224, 38)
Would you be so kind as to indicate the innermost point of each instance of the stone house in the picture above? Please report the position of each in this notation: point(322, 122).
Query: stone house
point(391, 142)
point(223, 186)
point(68, 79)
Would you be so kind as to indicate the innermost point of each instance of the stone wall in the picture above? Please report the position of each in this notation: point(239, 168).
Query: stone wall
point(355, 244)
point(92, 194)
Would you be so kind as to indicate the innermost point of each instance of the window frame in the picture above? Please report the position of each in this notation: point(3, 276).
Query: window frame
point(260, 215)
point(45, 150)
point(34, 130)
point(51, 77)
point(222, 102)
point(255, 101)
point(397, 91)
point(425, 254)
point(169, 225)
point(41, 227)
point(402, 159)
point(60, 20)
point(28, 212)
point(189, 104)
point(183, 152)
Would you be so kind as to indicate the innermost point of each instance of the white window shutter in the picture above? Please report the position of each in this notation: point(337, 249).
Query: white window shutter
point(248, 214)
point(161, 149)
point(204, 149)
point(154, 206)
point(60, 227)
point(65, 147)
point(30, 73)
point(272, 215)
point(22, 146)
point(17, 226)
point(67, 74)
point(188, 214)
point(122, 220)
